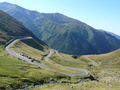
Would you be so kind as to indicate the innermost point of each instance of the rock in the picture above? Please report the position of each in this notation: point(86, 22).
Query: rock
point(51, 79)
point(71, 86)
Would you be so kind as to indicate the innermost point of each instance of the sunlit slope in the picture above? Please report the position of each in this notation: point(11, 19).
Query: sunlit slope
point(15, 73)
point(107, 71)
point(108, 58)
point(37, 53)
point(98, 71)
point(30, 48)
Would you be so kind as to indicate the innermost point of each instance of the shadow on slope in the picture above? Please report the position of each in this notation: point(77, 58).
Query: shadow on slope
point(33, 43)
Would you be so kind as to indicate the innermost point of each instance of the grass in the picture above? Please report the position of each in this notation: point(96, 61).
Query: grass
point(108, 61)
point(63, 62)
point(105, 58)
point(90, 85)
point(53, 87)
point(54, 65)
point(4, 39)
point(80, 59)
point(20, 47)
point(108, 72)
point(34, 53)
point(15, 73)
point(109, 81)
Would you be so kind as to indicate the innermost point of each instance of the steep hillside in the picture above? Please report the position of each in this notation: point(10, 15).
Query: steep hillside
point(63, 33)
point(108, 58)
point(11, 28)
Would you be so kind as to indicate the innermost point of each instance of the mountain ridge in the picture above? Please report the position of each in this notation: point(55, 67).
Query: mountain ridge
point(63, 33)
point(115, 35)
point(11, 28)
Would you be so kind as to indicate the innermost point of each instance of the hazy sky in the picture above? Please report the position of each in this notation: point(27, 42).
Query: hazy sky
point(100, 14)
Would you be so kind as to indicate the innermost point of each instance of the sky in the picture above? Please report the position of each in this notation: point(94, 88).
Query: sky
point(100, 14)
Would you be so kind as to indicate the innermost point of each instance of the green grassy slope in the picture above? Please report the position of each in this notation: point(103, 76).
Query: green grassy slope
point(109, 58)
point(107, 72)
point(38, 54)
point(15, 73)
point(74, 36)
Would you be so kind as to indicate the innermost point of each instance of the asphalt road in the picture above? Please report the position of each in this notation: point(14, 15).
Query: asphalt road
point(11, 52)
point(49, 55)
point(93, 62)
point(82, 72)
point(68, 59)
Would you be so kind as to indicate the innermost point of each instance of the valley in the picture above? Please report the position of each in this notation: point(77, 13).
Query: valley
point(75, 37)
point(16, 73)
point(51, 51)
point(7, 48)
point(105, 75)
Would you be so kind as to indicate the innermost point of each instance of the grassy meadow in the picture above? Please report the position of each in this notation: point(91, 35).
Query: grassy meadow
point(107, 73)
point(39, 55)
point(63, 62)
point(15, 73)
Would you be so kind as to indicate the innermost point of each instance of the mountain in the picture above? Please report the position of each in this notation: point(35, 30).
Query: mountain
point(63, 33)
point(10, 27)
point(115, 35)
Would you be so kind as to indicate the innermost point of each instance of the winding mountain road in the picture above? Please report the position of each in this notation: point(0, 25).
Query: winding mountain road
point(82, 72)
point(68, 59)
point(11, 52)
point(93, 62)
point(49, 55)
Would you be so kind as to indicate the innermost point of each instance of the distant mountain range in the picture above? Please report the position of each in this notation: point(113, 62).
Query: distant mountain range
point(117, 36)
point(63, 33)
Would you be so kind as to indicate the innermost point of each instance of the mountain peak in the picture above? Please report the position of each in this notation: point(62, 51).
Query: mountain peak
point(9, 26)
point(63, 33)
point(6, 3)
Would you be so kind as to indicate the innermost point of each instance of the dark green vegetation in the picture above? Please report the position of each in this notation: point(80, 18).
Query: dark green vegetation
point(117, 36)
point(11, 28)
point(63, 33)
